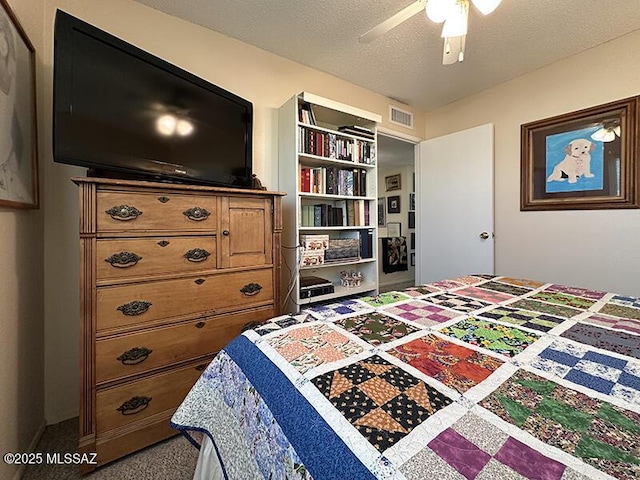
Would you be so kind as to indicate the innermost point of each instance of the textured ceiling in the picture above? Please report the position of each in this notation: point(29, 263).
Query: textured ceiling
point(406, 63)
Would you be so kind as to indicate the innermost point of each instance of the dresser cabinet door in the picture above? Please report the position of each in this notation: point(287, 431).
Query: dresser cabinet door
point(246, 236)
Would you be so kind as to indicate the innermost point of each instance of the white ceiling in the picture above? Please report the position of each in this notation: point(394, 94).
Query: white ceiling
point(406, 63)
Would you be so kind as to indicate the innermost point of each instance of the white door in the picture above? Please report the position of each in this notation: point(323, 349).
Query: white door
point(454, 205)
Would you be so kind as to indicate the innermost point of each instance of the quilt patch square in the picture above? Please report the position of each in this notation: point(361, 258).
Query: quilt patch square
point(453, 365)
point(513, 290)
point(548, 308)
point(621, 311)
point(476, 449)
point(533, 320)
point(626, 301)
point(520, 282)
point(577, 292)
point(614, 341)
point(456, 302)
point(383, 402)
point(383, 299)
point(419, 291)
point(376, 328)
point(444, 285)
point(599, 372)
point(489, 296)
point(421, 312)
point(308, 347)
point(601, 434)
point(333, 310)
point(617, 323)
point(468, 280)
point(558, 298)
point(509, 341)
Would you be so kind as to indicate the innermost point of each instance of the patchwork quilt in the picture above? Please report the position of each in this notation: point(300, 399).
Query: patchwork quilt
point(477, 377)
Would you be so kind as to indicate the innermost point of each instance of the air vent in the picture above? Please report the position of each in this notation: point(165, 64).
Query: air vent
point(400, 117)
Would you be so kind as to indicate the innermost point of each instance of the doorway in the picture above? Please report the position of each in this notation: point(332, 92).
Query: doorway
point(396, 211)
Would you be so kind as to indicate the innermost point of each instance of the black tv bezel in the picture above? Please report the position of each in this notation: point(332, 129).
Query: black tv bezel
point(135, 168)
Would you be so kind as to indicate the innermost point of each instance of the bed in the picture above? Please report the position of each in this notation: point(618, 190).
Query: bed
point(477, 377)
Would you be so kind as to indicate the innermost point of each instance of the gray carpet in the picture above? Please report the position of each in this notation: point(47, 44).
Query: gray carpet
point(173, 459)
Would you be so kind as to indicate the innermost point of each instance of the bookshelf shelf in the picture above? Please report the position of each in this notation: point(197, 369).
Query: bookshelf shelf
point(330, 177)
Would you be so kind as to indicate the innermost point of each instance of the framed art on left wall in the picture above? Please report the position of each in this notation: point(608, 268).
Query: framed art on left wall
point(18, 134)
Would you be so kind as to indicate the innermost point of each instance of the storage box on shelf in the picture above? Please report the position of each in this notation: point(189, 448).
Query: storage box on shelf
point(328, 169)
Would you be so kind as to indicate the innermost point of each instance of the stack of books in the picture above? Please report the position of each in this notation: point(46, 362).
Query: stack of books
point(357, 131)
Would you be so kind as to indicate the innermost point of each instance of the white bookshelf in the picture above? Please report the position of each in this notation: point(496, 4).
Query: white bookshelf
point(295, 155)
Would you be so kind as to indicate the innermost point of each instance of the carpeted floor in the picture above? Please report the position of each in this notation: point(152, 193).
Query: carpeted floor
point(173, 459)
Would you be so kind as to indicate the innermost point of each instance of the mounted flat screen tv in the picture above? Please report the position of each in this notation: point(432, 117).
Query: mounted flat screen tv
point(120, 110)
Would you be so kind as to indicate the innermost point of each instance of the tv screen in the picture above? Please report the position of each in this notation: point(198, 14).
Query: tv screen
point(118, 108)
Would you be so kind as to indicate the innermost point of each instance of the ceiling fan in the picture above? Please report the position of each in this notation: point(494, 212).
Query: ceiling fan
point(454, 14)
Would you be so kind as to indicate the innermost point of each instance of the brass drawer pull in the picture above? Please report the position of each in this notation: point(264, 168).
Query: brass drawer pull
point(199, 281)
point(197, 214)
point(251, 289)
point(134, 356)
point(225, 233)
point(197, 255)
point(134, 405)
point(163, 243)
point(124, 213)
point(123, 259)
point(163, 199)
point(200, 324)
point(137, 307)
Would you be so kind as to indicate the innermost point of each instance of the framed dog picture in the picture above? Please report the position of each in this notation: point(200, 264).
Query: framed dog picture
point(586, 159)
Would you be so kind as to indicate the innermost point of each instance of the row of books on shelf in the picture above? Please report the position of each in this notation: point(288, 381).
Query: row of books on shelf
point(331, 145)
point(321, 249)
point(350, 182)
point(342, 213)
point(305, 114)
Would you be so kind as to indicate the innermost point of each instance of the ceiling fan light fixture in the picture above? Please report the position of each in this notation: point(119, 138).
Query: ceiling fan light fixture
point(438, 10)
point(486, 6)
point(456, 23)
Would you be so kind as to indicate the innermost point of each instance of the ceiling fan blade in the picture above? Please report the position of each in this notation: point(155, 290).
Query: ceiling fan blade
point(392, 22)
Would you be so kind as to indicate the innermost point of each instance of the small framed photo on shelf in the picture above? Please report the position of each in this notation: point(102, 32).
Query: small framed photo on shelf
point(413, 259)
point(393, 204)
point(392, 182)
point(394, 229)
point(412, 219)
point(382, 218)
point(412, 201)
point(413, 241)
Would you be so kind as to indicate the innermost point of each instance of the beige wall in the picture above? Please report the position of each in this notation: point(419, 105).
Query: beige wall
point(265, 79)
point(21, 305)
point(596, 249)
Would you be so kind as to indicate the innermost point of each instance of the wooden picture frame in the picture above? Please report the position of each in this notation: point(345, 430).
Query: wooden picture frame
point(382, 218)
point(392, 182)
point(393, 204)
point(588, 159)
point(394, 229)
point(18, 136)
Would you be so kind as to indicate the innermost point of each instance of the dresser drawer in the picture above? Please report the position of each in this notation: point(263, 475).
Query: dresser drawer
point(118, 211)
point(125, 258)
point(124, 305)
point(134, 401)
point(140, 352)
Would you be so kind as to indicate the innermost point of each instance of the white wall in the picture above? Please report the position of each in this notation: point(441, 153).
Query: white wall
point(596, 249)
point(21, 305)
point(406, 184)
point(265, 79)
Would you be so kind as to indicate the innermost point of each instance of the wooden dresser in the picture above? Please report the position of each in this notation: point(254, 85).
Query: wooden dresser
point(168, 275)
